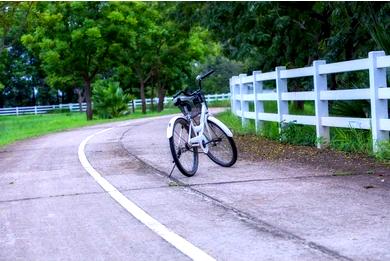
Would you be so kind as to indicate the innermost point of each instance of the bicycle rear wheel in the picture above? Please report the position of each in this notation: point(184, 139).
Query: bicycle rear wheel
point(185, 156)
point(222, 148)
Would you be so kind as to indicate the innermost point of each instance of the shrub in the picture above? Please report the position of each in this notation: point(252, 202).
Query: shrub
point(351, 140)
point(109, 99)
point(383, 151)
point(359, 109)
point(297, 134)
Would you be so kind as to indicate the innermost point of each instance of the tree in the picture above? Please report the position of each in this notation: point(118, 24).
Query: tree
point(18, 70)
point(136, 30)
point(224, 69)
point(378, 25)
point(75, 41)
point(161, 51)
point(188, 47)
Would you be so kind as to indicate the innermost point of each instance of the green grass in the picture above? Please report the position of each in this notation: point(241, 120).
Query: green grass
point(234, 123)
point(219, 103)
point(343, 139)
point(14, 128)
point(291, 133)
point(351, 140)
point(383, 153)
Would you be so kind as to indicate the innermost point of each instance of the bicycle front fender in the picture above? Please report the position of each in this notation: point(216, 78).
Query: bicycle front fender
point(221, 125)
point(170, 126)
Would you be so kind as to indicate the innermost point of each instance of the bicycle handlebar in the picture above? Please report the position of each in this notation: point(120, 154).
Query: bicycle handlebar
point(198, 78)
point(201, 77)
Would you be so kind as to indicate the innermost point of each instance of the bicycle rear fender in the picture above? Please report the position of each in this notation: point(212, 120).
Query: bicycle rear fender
point(170, 126)
point(221, 125)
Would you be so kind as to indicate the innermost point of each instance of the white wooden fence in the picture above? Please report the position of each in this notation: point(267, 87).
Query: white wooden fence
point(246, 89)
point(75, 106)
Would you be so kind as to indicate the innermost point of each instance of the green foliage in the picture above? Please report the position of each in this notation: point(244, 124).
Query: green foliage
point(156, 48)
point(378, 26)
point(109, 99)
point(358, 109)
point(234, 123)
point(383, 153)
point(73, 40)
point(223, 68)
point(351, 140)
point(290, 132)
point(297, 134)
point(270, 130)
point(219, 103)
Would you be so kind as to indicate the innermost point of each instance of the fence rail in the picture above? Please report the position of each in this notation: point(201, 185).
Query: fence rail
point(72, 107)
point(246, 89)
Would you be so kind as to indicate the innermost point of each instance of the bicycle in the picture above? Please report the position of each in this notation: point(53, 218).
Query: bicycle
point(195, 129)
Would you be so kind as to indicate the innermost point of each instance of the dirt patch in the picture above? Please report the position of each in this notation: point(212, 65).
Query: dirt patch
point(256, 148)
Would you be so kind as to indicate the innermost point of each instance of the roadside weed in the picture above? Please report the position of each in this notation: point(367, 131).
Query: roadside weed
point(383, 153)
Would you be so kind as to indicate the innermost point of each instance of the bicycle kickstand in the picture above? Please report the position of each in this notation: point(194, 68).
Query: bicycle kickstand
point(174, 165)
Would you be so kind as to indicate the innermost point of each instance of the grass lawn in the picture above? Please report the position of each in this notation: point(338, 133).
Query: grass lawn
point(14, 128)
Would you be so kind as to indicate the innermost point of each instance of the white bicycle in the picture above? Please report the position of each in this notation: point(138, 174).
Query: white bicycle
point(197, 129)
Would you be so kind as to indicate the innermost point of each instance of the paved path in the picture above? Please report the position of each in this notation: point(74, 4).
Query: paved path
point(52, 209)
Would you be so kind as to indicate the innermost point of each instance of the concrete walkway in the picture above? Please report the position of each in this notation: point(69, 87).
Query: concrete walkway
point(51, 209)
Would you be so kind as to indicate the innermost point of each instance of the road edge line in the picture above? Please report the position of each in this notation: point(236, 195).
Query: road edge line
point(174, 239)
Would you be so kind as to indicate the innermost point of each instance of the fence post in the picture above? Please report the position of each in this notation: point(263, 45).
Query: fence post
point(321, 107)
point(244, 104)
point(232, 97)
point(379, 109)
point(259, 105)
point(17, 111)
point(70, 107)
point(281, 87)
point(35, 110)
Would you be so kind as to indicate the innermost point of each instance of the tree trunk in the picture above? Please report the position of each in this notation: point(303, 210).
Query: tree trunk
point(34, 99)
point(1, 100)
point(333, 82)
point(80, 98)
point(142, 94)
point(88, 99)
point(161, 97)
point(152, 99)
point(299, 105)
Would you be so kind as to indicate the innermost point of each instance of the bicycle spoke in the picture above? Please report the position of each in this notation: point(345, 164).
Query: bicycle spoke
point(181, 137)
point(220, 149)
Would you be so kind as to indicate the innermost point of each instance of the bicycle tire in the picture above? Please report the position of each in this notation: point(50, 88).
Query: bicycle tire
point(226, 145)
point(189, 164)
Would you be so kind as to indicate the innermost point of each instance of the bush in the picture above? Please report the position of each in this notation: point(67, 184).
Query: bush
point(109, 99)
point(359, 109)
point(297, 134)
point(351, 140)
point(383, 151)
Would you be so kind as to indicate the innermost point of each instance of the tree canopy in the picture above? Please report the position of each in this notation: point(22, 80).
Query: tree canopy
point(54, 51)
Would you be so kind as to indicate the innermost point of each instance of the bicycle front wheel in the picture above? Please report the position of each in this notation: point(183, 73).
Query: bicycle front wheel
point(222, 149)
point(184, 155)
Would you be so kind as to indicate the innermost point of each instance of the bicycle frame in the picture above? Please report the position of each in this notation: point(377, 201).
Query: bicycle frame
point(199, 130)
point(200, 139)
point(199, 135)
